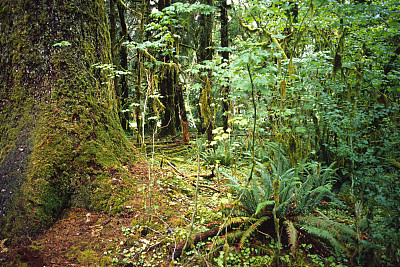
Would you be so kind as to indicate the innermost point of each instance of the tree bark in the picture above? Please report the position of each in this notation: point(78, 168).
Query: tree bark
point(60, 137)
point(184, 123)
point(225, 57)
point(123, 57)
point(167, 89)
point(206, 53)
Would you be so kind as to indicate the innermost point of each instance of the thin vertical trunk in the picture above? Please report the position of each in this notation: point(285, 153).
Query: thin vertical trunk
point(167, 91)
point(206, 53)
point(184, 123)
point(113, 27)
point(225, 57)
point(123, 55)
point(137, 112)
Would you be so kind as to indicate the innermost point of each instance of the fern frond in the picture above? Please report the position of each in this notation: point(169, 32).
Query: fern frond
point(312, 198)
point(251, 229)
point(334, 233)
point(326, 223)
point(238, 220)
point(230, 238)
point(287, 192)
point(292, 234)
point(261, 206)
point(326, 236)
point(250, 196)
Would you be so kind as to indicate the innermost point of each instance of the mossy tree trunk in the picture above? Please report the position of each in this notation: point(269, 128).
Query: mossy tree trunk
point(206, 53)
point(61, 139)
point(167, 88)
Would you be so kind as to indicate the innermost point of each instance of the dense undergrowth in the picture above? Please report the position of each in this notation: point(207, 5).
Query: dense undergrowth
point(305, 165)
point(288, 215)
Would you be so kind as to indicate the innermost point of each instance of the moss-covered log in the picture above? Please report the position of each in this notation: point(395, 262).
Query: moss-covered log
point(61, 140)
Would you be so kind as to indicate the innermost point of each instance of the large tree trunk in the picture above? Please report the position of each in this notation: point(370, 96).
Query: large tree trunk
point(61, 140)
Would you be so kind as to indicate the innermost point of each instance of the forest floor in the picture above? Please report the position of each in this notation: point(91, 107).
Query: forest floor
point(156, 221)
point(134, 236)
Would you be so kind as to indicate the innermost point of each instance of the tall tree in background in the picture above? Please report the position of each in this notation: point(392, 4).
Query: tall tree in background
point(167, 87)
point(225, 58)
point(119, 57)
point(123, 91)
point(206, 53)
point(61, 139)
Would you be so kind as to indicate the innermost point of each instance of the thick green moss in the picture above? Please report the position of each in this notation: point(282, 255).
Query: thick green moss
point(60, 111)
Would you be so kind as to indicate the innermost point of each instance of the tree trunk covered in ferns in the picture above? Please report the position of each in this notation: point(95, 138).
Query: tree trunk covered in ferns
point(61, 140)
point(206, 53)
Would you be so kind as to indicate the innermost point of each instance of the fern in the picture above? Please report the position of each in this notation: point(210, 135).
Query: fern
point(261, 206)
point(319, 176)
point(251, 229)
point(334, 233)
point(326, 236)
point(340, 229)
point(238, 220)
point(312, 198)
point(289, 181)
point(230, 238)
point(299, 190)
point(250, 196)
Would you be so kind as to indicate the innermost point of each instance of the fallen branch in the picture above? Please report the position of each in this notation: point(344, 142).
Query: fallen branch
point(207, 186)
point(175, 169)
point(209, 176)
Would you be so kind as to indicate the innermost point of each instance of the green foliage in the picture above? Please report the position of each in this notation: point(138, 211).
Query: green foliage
point(221, 155)
point(326, 86)
point(111, 71)
point(244, 257)
point(301, 189)
point(251, 229)
point(63, 43)
point(340, 236)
